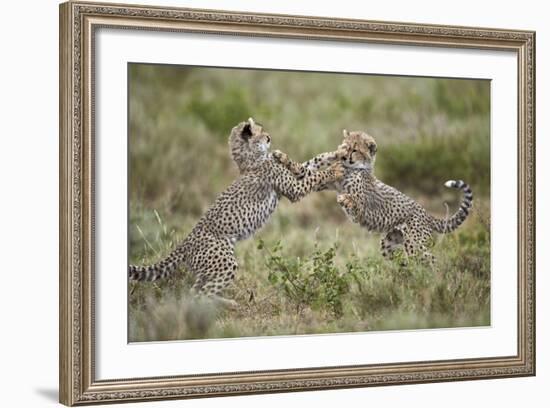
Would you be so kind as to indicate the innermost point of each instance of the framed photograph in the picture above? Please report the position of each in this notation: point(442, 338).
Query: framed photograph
point(256, 203)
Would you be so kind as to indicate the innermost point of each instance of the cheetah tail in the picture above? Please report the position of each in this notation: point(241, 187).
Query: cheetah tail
point(160, 270)
point(452, 223)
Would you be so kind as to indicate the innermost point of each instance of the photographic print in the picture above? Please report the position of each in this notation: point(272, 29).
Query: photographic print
point(271, 203)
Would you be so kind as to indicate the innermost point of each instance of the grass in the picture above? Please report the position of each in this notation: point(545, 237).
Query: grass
point(309, 270)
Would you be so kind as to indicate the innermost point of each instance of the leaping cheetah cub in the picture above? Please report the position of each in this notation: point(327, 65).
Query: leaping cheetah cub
point(377, 206)
point(242, 209)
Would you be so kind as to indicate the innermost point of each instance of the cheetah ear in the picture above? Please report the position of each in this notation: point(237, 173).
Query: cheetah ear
point(246, 132)
point(345, 133)
point(251, 121)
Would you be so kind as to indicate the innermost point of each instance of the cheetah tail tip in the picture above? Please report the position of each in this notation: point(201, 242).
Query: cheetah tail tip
point(459, 184)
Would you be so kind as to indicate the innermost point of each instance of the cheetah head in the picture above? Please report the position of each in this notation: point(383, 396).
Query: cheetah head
point(358, 150)
point(249, 144)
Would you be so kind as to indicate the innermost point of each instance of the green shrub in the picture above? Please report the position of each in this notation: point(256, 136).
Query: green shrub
point(312, 281)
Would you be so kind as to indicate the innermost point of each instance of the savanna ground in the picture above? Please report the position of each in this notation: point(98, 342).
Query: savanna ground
point(309, 270)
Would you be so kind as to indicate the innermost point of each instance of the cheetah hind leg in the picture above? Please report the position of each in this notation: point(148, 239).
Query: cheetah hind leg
point(213, 276)
point(205, 291)
point(209, 291)
point(390, 242)
point(416, 245)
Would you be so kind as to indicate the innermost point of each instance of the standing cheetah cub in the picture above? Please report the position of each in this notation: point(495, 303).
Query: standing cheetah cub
point(242, 209)
point(376, 206)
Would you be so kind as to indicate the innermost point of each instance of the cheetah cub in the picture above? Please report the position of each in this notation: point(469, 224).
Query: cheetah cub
point(243, 208)
point(376, 206)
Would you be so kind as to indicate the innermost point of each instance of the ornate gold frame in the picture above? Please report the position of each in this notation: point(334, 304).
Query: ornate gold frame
point(78, 22)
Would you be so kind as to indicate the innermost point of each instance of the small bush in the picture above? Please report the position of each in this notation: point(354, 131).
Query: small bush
point(312, 281)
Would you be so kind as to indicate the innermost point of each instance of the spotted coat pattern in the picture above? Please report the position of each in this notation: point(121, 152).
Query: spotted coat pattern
point(376, 206)
point(243, 208)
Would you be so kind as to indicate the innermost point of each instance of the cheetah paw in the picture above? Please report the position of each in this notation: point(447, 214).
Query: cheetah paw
point(280, 157)
point(344, 200)
point(225, 303)
point(341, 152)
point(338, 170)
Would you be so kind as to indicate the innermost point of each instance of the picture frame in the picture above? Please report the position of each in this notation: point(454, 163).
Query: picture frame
point(79, 25)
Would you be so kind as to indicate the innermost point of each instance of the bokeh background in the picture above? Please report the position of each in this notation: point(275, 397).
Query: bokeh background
point(309, 270)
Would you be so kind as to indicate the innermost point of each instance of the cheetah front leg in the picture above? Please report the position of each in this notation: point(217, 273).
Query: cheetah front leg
point(298, 169)
point(312, 165)
point(351, 206)
point(294, 189)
